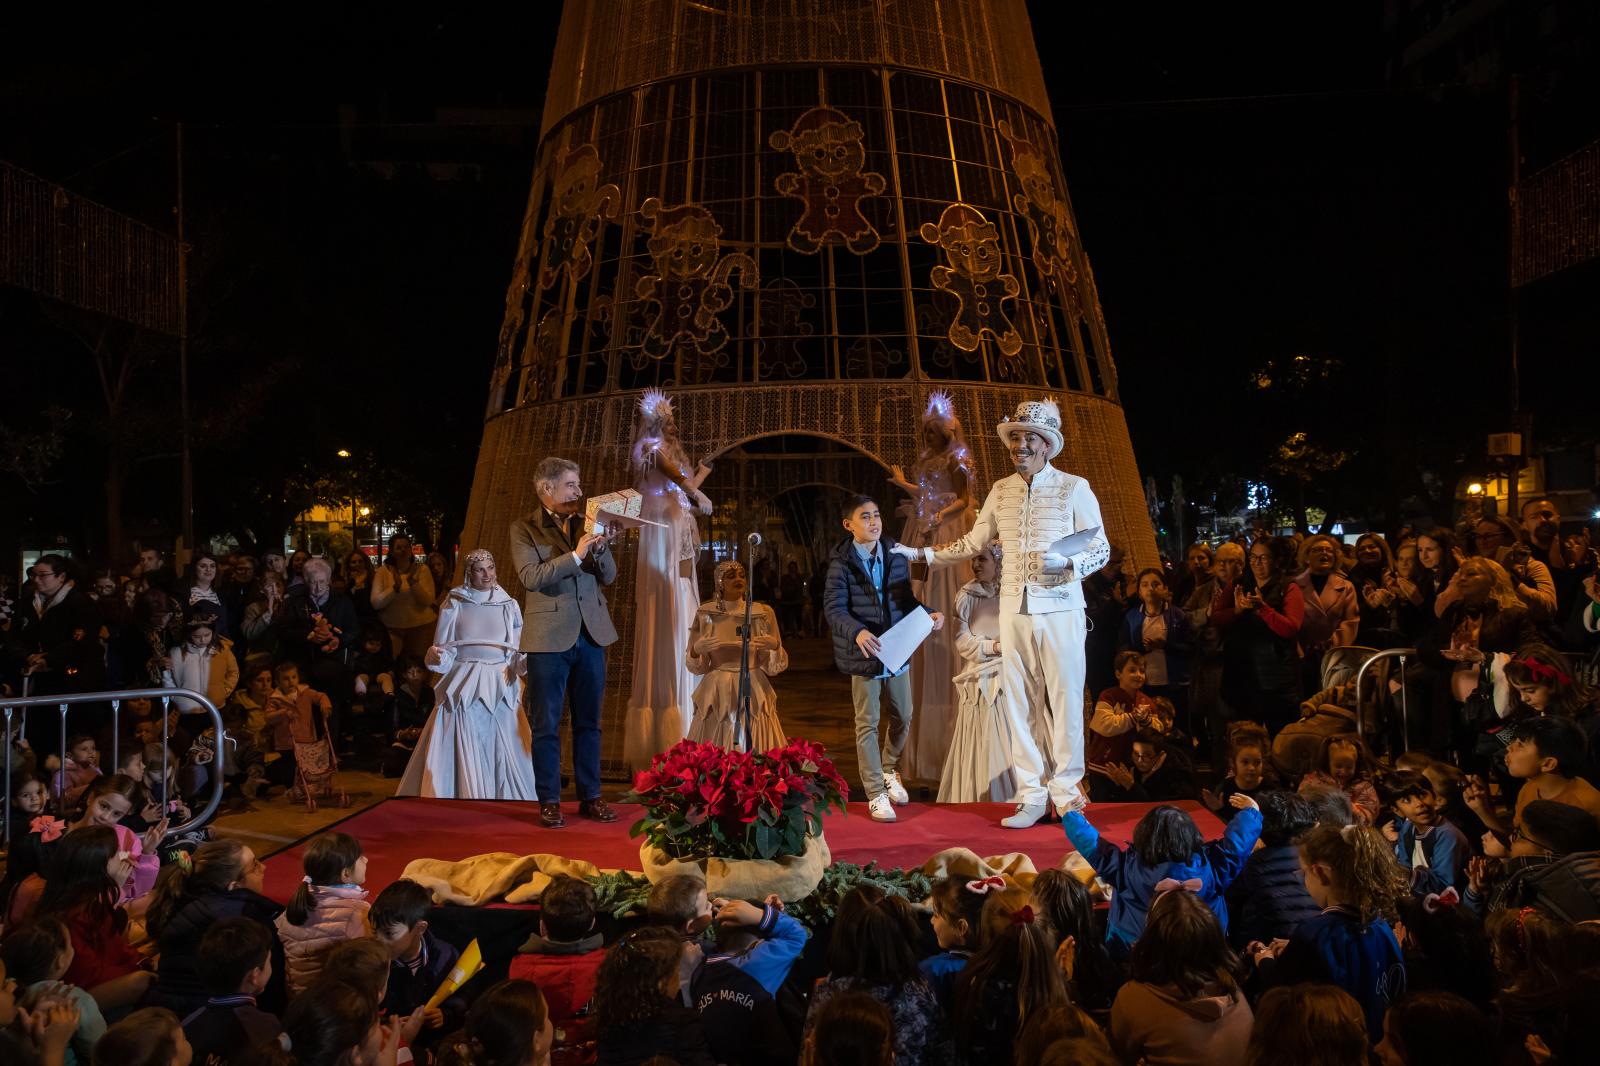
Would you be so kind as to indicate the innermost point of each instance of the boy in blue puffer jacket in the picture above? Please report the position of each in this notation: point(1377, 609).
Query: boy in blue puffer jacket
point(1167, 852)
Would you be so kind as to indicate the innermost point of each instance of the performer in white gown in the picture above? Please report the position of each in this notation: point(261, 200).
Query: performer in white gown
point(714, 655)
point(978, 768)
point(941, 510)
point(665, 594)
point(476, 743)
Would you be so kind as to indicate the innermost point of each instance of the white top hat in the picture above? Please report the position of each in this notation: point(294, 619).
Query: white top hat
point(1041, 416)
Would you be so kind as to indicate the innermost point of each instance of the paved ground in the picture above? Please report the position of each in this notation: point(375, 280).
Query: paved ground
point(813, 702)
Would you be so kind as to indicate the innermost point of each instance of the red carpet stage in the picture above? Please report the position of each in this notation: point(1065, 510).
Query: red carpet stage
point(395, 831)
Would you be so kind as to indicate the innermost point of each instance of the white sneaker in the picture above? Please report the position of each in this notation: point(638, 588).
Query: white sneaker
point(1026, 814)
point(895, 790)
point(881, 809)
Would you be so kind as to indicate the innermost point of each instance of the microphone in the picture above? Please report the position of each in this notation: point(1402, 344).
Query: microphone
point(753, 539)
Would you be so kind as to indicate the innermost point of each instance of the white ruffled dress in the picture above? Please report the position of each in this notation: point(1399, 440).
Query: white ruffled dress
point(476, 743)
point(978, 767)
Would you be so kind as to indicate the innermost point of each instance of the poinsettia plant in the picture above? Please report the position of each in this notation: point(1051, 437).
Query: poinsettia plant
point(702, 801)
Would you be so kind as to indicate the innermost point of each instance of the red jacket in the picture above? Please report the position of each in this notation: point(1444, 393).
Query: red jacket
point(567, 981)
point(100, 953)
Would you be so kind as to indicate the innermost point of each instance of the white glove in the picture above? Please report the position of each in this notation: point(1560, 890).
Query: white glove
point(906, 551)
point(1055, 561)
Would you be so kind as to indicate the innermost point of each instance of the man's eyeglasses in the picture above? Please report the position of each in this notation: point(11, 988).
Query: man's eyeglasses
point(1518, 833)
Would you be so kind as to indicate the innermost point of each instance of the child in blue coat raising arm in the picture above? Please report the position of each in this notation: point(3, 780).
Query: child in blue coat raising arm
point(1167, 847)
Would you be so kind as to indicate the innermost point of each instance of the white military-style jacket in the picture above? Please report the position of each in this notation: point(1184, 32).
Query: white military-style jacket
point(1026, 519)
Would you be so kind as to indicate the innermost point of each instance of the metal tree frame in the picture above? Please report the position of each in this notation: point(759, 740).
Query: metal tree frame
point(798, 218)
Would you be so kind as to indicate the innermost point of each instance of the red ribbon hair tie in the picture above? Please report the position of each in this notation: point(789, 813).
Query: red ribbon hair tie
point(1022, 916)
point(982, 886)
point(1544, 673)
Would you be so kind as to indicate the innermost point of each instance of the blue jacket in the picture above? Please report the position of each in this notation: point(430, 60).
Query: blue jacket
point(1446, 850)
point(851, 604)
point(1180, 639)
point(941, 971)
point(783, 938)
point(1216, 865)
point(1334, 947)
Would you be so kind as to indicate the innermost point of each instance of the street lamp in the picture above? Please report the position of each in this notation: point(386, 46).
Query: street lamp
point(344, 453)
point(1475, 489)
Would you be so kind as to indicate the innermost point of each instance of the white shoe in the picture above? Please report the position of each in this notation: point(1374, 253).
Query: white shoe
point(1026, 814)
point(881, 809)
point(895, 790)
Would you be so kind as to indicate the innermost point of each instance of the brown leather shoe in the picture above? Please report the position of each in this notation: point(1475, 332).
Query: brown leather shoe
point(550, 816)
point(597, 809)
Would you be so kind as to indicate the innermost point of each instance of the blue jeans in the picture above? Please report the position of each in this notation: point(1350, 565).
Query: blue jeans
point(582, 670)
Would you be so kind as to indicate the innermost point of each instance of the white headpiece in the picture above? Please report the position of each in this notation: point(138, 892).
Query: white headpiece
point(474, 557)
point(654, 405)
point(1042, 417)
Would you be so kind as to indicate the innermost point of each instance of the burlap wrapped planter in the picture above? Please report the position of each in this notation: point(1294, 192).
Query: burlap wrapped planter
point(792, 877)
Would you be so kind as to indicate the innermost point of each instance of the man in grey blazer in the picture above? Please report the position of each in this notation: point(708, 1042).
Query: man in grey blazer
point(565, 630)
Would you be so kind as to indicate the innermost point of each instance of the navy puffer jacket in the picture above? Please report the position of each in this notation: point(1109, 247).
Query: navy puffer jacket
point(179, 986)
point(851, 604)
point(1269, 898)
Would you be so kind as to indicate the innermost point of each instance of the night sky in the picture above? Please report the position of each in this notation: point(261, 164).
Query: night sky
point(1248, 184)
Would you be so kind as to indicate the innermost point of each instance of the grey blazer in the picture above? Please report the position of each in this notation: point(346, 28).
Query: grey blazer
point(558, 591)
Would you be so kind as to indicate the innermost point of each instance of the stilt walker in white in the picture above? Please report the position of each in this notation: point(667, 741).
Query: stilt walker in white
point(1041, 606)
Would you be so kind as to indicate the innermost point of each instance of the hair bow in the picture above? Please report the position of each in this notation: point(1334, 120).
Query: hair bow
point(1544, 673)
point(982, 886)
point(48, 828)
point(1172, 884)
point(1434, 901)
point(307, 880)
point(184, 861)
point(1022, 916)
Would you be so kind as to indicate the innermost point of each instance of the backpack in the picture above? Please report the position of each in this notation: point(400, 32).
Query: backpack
point(1568, 889)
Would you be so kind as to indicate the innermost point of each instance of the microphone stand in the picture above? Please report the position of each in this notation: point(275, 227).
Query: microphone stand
point(743, 720)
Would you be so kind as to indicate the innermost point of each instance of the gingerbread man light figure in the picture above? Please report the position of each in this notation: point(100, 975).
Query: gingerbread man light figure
point(828, 148)
point(1049, 224)
point(579, 203)
point(690, 285)
point(973, 275)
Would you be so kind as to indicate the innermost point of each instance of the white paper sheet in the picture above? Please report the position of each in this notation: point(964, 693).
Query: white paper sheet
point(903, 638)
point(620, 521)
point(1073, 543)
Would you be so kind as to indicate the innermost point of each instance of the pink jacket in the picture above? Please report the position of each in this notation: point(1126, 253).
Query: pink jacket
point(290, 717)
point(1332, 617)
point(339, 913)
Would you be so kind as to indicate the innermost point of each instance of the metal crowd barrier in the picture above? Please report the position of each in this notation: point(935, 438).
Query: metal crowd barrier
point(115, 698)
point(1405, 722)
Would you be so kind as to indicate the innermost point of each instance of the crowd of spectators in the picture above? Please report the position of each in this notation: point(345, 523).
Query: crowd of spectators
point(1407, 874)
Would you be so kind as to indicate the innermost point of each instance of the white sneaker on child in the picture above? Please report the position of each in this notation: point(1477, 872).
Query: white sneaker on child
point(881, 809)
point(894, 789)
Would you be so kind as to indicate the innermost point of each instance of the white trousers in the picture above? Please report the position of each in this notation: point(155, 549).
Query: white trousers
point(1041, 690)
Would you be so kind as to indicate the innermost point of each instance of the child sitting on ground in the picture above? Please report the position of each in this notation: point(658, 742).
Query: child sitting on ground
point(69, 777)
point(1344, 763)
point(365, 963)
point(329, 906)
point(151, 1036)
point(37, 957)
point(1065, 903)
point(1351, 874)
point(373, 667)
point(732, 983)
point(638, 1009)
point(418, 960)
point(1248, 769)
point(30, 797)
point(1547, 754)
point(1268, 898)
point(562, 958)
point(509, 1023)
point(85, 875)
point(957, 905)
point(1118, 711)
point(413, 699)
point(235, 960)
point(1013, 974)
point(1425, 842)
point(1445, 947)
point(1167, 851)
point(1182, 1003)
